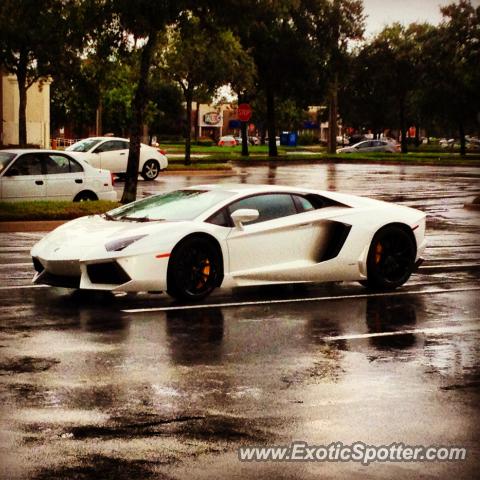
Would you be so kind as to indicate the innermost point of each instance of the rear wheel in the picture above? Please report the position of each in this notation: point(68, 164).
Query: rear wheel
point(85, 196)
point(391, 258)
point(150, 170)
point(194, 270)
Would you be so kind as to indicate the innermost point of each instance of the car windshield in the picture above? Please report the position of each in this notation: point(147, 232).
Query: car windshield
point(5, 159)
point(84, 145)
point(177, 205)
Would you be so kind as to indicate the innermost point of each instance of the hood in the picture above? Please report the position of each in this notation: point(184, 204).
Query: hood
point(95, 231)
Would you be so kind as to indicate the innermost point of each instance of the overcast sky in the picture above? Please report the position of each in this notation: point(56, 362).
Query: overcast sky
point(384, 12)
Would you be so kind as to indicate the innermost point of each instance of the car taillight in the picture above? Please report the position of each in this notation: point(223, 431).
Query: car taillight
point(162, 151)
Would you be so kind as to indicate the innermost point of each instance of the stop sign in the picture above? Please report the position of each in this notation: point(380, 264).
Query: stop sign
point(244, 112)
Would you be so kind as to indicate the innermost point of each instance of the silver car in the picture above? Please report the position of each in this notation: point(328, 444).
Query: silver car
point(371, 146)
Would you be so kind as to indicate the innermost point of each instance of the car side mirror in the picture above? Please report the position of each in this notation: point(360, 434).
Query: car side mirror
point(244, 215)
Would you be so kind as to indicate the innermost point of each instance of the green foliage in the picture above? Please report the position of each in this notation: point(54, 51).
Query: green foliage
point(307, 139)
point(204, 142)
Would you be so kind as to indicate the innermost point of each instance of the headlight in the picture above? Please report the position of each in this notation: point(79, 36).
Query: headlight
point(118, 245)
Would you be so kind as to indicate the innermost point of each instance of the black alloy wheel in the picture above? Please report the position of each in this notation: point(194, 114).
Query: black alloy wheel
point(391, 258)
point(194, 269)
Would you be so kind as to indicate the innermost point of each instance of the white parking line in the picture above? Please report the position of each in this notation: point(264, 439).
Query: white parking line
point(297, 300)
point(431, 331)
point(15, 287)
point(23, 264)
point(449, 266)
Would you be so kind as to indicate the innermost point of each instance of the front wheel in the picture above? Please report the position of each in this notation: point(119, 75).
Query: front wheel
point(391, 258)
point(150, 170)
point(85, 196)
point(194, 270)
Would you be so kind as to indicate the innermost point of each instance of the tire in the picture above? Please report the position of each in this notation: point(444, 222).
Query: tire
point(150, 170)
point(391, 258)
point(194, 270)
point(85, 196)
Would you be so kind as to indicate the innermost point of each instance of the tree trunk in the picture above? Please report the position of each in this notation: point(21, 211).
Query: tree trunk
point(99, 115)
point(197, 117)
point(22, 105)
point(138, 106)
point(244, 126)
point(263, 135)
point(461, 132)
point(417, 135)
point(272, 141)
point(332, 119)
point(403, 128)
point(188, 127)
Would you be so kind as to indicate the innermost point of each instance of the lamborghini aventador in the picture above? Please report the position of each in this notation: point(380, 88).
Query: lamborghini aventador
point(189, 242)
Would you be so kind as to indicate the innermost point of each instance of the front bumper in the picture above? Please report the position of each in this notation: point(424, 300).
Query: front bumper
point(119, 274)
point(418, 263)
point(110, 196)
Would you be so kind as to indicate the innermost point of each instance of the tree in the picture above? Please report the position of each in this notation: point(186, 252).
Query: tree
point(145, 21)
point(387, 72)
point(36, 39)
point(201, 57)
point(345, 22)
point(280, 49)
point(451, 75)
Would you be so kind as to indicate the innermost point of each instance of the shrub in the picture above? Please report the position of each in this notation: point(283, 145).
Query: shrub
point(307, 139)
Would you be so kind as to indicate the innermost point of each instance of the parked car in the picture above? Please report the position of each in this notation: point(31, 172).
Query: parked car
point(111, 153)
point(371, 146)
point(190, 241)
point(227, 141)
point(33, 174)
point(254, 140)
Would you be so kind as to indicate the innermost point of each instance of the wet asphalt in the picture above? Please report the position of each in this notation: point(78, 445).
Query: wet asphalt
point(139, 387)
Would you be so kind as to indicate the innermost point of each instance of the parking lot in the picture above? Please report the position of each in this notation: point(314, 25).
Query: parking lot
point(138, 386)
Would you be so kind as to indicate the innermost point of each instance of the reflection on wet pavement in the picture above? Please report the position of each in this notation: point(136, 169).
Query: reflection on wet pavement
point(90, 391)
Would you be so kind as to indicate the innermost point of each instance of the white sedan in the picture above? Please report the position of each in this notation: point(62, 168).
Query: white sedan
point(190, 241)
point(111, 153)
point(33, 174)
point(227, 141)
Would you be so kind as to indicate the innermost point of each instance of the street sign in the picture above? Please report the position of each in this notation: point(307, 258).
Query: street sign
point(244, 112)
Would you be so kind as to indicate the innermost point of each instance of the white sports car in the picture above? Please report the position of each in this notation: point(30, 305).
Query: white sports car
point(190, 241)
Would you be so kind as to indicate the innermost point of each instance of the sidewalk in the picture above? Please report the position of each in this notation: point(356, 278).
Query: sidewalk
point(30, 226)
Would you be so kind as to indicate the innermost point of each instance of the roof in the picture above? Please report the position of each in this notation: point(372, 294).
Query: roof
point(250, 187)
point(19, 151)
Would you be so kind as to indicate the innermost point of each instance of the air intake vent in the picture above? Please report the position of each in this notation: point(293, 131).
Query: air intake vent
point(37, 265)
point(110, 273)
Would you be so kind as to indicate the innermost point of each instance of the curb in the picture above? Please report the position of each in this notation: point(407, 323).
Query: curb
point(30, 226)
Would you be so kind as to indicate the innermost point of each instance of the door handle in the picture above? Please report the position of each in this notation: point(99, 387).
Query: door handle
point(39, 182)
point(78, 180)
point(304, 225)
point(122, 153)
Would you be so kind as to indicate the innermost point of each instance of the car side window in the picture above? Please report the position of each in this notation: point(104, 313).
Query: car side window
point(75, 167)
point(220, 218)
point(27, 164)
point(269, 206)
point(57, 164)
point(111, 146)
point(302, 203)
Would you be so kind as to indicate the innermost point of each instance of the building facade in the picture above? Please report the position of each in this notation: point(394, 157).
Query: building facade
point(38, 112)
